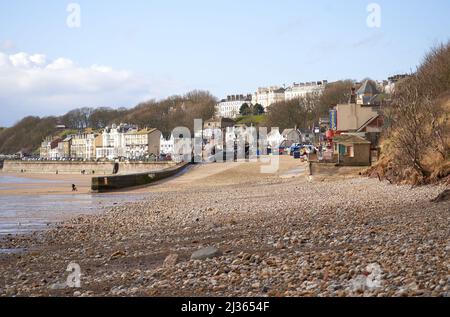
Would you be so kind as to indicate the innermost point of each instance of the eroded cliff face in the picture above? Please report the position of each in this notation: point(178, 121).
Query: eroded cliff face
point(435, 161)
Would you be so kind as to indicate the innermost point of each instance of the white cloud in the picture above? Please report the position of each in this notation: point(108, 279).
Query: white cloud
point(31, 85)
point(60, 63)
point(38, 59)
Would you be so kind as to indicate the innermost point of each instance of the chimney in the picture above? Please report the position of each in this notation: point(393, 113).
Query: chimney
point(353, 95)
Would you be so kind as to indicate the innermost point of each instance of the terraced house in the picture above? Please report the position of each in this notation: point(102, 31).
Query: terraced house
point(143, 143)
point(83, 146)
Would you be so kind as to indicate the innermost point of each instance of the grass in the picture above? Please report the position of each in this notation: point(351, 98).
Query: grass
point(255, 120)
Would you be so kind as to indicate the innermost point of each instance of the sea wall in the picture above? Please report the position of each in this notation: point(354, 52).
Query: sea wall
point(116, 182)
point(88, 168)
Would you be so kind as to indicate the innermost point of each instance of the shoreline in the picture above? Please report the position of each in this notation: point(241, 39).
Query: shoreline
point(278, 237)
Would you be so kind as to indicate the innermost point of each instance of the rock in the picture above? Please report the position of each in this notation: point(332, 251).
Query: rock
point(206, 253)
point(58, 286)
point(444, 196)
point(117, 255)
point(171, 260)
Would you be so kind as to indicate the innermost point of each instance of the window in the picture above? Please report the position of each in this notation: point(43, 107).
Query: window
point(351, 151)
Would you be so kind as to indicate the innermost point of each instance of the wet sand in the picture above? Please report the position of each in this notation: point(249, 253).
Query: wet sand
point(43, 184)
point(32, 202)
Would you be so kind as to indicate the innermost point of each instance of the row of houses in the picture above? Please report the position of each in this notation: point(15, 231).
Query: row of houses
point(350, 136)
point(117, 141)
point(267, 96)
point(228, 130)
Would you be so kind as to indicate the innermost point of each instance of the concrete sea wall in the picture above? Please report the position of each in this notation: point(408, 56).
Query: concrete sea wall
point(116, 182)
point(88, 168)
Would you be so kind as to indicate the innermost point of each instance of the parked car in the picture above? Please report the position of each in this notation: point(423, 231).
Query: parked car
point(294, 148)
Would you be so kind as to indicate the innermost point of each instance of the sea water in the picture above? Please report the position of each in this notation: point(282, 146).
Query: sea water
point(21, 214)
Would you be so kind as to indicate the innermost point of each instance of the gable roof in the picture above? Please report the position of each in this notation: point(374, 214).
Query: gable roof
point(288, 131)
point(141, 132)
point(369, 88)
point(365, 125)
point(350, 139)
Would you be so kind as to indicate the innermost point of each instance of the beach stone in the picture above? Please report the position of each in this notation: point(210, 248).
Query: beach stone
point(206, 253)
point(58, 286)
point(171, 260)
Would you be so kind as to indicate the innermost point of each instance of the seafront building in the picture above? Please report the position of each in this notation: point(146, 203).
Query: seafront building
point(143, 143)
point(267, 96)
point(364, 105)
point(166, 145)
point(83, 146)
point(231, 106)
point(301, 90)
point(115, 142)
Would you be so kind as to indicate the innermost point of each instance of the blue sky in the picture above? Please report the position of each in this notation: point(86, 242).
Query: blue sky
point(152, 49)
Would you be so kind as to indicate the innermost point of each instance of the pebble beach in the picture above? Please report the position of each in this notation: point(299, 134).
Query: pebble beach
point(228, 230)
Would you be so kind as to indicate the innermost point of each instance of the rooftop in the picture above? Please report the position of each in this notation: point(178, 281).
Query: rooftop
point(349, 139)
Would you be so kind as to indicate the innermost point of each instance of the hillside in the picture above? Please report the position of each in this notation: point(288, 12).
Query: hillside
point(26, 135)
point(416, 147)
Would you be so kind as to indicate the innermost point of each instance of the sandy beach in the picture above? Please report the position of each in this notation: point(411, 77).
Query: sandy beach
point(282, 234)
point(44, 184)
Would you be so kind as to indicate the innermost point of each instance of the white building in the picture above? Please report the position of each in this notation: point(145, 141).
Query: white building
point(300, 90)
point(83, 146)
point(274, 138)
point(166, 145)
point(268, 96)
point(113, 142)
point(230, 107)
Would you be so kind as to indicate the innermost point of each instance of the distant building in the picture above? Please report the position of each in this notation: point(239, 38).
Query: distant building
point(363, 106)
point(275, 138)
point(230, 107)
point(368, 94)
point(212, 126)
point(142, 143)
point(291, 136)
point(113, 145)
point(306, 136)
point(83, 146)
point(65, 147)
point(44, 150)
point(300, 90)
point(392, 82)
point(268, 96)
point(49, 148)
point(352, 150)
point(166, 145)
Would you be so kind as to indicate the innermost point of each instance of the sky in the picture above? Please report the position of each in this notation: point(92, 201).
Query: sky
point(58, 55)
